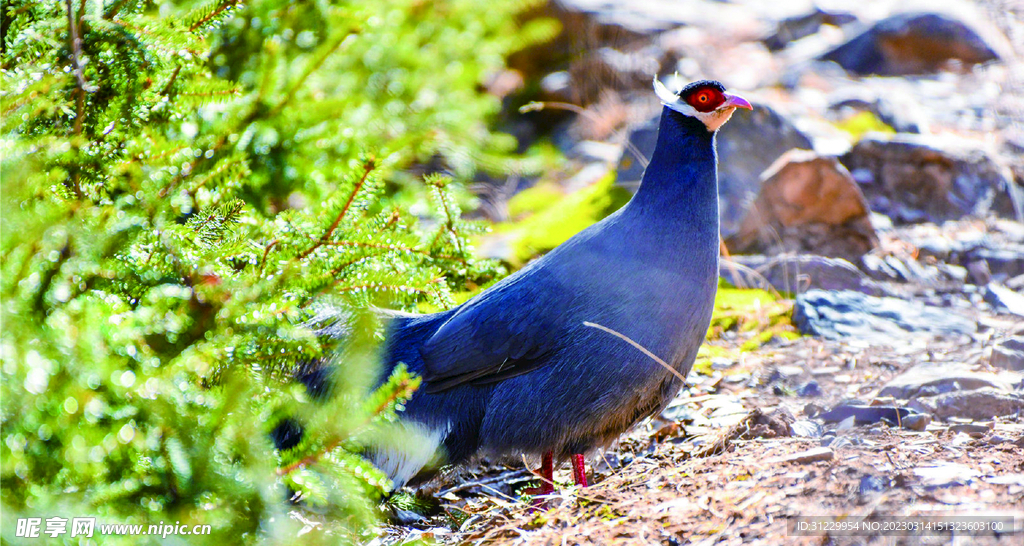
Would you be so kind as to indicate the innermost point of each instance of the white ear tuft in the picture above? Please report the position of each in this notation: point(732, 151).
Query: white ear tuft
point(667, 97)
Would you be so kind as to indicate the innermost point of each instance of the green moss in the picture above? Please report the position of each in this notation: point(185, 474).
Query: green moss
point(863, 122)
point(534, 200)
point(745, 310)
point(562, 218)
point(735, 306)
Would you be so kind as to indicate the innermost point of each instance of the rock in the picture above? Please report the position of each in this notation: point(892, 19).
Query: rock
point(933, 378)
point(971, 429)
point(917, 421)
point(747, 145)
point(1000, 263)
point(794, 28)
point(776, 424)
point(807, 203)
point(873, 484)
point(867, 415)
point(798, 273)
point(945, 475)
point(1004, 300)
point(912, 43)
point(837, 442)
point(843, 313)
point(978, 272)
point(805, 428)
point(810, 388)
point(803, 457)
point(1009, 354)
point(914, 178)
point(978, 404)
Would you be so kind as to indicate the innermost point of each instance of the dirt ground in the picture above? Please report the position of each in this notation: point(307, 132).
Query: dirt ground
point(726, 468)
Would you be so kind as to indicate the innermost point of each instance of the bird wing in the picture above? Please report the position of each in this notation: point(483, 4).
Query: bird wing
point(506, 331)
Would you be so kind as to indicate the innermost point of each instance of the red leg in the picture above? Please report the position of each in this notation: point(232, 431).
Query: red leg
point(579, 470)
point(547, 473)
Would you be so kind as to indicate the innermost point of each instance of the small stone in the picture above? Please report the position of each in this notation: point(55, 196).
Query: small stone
point(931, 178)
point(806, 429)
point(971, 429)
point(945, 475)
point(837, 442)
point(873, 484)
point(866, 415)
point(960, 440)
point(810, 388)
point(1009, 354)
point(812, 409)
point(917, 422)
point(810, 456)
point(1004, 300)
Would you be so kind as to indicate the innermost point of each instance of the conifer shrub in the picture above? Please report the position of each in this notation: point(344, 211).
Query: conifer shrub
point(184, 186)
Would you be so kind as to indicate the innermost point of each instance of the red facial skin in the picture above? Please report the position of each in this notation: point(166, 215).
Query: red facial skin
point(705, 99)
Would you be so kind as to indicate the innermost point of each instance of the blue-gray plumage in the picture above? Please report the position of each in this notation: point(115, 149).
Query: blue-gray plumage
point(515, 370)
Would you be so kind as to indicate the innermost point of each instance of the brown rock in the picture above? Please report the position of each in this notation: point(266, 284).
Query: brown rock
point(807, 203)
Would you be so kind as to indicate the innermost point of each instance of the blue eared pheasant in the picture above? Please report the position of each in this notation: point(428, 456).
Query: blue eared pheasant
point(515, 369)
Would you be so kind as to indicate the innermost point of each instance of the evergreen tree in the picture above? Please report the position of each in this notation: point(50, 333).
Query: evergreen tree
point(183, 184)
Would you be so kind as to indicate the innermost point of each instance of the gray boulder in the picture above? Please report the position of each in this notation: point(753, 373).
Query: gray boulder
point(915, 178)
point(799, 273)
point(935, 378)
point(912, 43)
point(980, 404)
point(848, 314)
point(1008, 354)
point(1004, 300)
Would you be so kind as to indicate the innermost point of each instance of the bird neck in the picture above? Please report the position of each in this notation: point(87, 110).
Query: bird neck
point(681, 180)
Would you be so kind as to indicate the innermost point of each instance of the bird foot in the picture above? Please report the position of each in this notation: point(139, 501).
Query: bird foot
point(579, 470)
point(546, 472)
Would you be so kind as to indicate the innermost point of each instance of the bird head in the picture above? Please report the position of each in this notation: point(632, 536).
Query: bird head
point(705, 100)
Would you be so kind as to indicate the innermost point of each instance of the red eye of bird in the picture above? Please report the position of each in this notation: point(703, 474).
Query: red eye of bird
point(705, 99)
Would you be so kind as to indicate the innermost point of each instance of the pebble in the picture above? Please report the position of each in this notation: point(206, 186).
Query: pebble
point(803, 457)
point(810, 388)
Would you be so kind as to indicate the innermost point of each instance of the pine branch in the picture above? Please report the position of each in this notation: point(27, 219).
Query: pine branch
point(214, 12)
point(310, 68)
point(76, 65)
point(170, 81)
point(368, 167)
point(400, 248)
